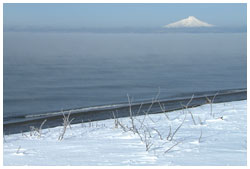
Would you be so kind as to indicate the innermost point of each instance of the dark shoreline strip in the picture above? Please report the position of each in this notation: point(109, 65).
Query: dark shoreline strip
point(95, 115)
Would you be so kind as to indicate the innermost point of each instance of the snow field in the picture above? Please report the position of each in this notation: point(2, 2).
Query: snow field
point(194, 136)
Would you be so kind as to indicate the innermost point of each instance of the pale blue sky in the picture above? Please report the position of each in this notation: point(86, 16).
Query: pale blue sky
point(120, 15)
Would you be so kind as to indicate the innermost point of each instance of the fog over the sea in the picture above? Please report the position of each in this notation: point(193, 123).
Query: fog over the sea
point(48, 71)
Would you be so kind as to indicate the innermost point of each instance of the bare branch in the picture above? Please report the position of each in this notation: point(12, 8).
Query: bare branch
point(147, 141)
point(214, 97)
point(200, 136)
point(178, 127)
point(192, 116)
point(18, 150)
point(189, 101)
point(142, 122)
point(138, 133)
point(122, 126)
point(170, 133)
point(153, 101)
point(163, 109)
point(66, 122)
point(139, 110)
point(116, 120)
point(172, 147)
point(131, 115)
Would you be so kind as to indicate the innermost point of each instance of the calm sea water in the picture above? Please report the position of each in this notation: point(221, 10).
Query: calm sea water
point(46, 72)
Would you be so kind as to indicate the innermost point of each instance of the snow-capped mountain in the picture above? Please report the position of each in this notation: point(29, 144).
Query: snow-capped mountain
point(189, 22)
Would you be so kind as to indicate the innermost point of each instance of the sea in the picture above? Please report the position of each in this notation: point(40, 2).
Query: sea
point(46, 72)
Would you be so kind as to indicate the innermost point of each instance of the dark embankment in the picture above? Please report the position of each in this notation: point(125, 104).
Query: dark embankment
point(54, 120)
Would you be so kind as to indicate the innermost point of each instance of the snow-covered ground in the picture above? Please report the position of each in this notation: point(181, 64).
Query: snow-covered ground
point(217, 138)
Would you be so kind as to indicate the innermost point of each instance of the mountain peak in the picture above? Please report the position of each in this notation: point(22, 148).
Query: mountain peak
point(189, 22)
point(191, 17)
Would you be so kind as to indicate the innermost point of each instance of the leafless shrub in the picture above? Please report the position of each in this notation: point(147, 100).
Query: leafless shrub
point(141, 129)
point(131, 115)
point(116, 120)
point(147, 141)
point(118, 123)
point(66, 123)
point(211, 103)
point(34, 131)
point(41, 126)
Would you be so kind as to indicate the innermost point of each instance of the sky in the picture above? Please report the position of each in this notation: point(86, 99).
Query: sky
point(104, 16)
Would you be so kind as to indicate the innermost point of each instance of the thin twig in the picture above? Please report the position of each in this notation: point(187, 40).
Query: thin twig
point(131, 114)
point(163, 109)
point(122, 126)
point(153, 101)
point(170, 133)
point(139, 110)
point(147, 141)
point(200, 136)
point(190, 101)
point(40, 128)
point(172, 147)
point(66, 122)
point(192, 116)
point(18, 150)
point(178, 127)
